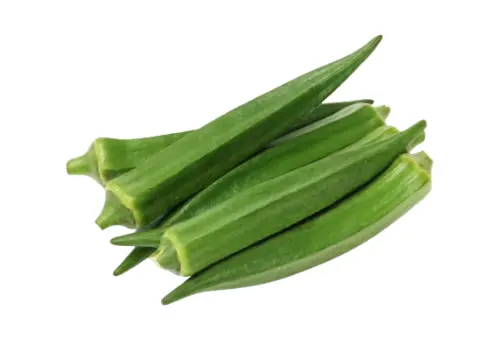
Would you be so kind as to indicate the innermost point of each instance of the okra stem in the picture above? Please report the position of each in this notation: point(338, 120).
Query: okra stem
point(383, 111)
point(86, 164)
point(423, 160)
point(78, 166)
point(114, 213)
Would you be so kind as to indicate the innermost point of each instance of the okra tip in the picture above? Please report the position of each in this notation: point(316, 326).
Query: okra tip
point(375, 41)
point(366, 50)
point(124, 266)
point(133, 259)
point(188, 288)
point(178, 293)
point(168, 299)
point(420, 125)
point(119, 270)
point(150, 238)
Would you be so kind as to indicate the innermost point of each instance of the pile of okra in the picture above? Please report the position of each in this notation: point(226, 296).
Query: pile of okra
point(274, 187)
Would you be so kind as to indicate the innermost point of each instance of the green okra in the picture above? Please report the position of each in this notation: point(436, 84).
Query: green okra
point(323, 237)
point(142, 195)
point(189, 246)
point(141, 252)
point(292, 151)
point(147, 244)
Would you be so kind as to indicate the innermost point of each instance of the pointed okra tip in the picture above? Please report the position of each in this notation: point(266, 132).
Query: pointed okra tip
point(188, 288)
point(133, 259)
point(119, 270)
point(123, 240)
point(367, 49)
point(375, 41)
point(378, 38)
point(150, 238)
point(178, 293)
point(169, 299)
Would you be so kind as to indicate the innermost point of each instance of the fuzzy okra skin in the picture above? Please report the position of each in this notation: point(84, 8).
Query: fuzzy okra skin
point(187, 166)
point(146, 242)
point(108, 158)
point(190, 246)
point(323, 237)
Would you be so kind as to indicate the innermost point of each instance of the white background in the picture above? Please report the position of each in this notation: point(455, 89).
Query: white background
point(71, 71)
